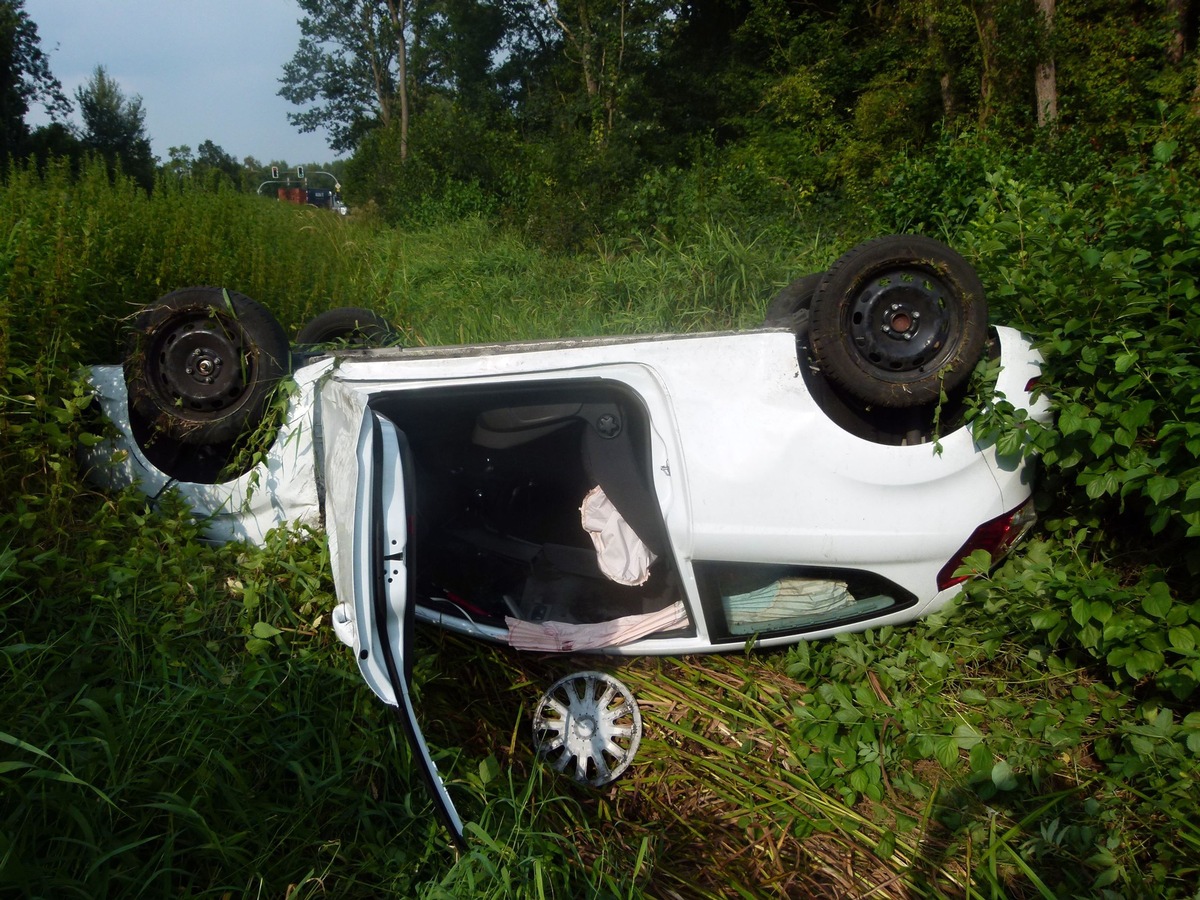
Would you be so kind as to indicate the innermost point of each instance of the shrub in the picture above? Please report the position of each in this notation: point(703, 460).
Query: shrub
point(1107, 276)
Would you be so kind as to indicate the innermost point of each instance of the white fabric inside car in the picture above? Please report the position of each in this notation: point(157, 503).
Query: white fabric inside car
point(622, 556)
point(566, 637)
point(794, 603)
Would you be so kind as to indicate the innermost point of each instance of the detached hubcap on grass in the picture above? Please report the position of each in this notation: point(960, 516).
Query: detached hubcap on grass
point(591, 719)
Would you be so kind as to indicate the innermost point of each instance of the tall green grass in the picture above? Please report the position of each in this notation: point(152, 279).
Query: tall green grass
point(178, 719)
point(81, 255)
point(469, 282)
point(148, 752)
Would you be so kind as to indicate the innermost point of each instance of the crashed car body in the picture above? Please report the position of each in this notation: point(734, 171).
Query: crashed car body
point(664, 494)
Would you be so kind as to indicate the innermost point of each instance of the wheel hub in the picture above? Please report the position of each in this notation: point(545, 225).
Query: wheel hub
point(200, 363)
point(205, 367)
point(900, 321)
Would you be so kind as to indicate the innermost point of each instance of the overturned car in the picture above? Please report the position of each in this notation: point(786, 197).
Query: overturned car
point(661, 494)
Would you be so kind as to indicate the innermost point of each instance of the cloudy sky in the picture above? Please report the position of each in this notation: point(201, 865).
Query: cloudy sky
point(205, 69)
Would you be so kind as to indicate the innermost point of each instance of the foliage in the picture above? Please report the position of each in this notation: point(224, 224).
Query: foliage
point(211, 166)
point(84, 254)
point(180, 725)
point(25, 77)
point(469, 283)
point(114, 126)
point(182, 720)
point(153, 731)
point(938, 189)
point(1105, 274)
point(561, 120)
point(1014, 732)
point(345, 65)
point(1111, 67)
point(449, 160)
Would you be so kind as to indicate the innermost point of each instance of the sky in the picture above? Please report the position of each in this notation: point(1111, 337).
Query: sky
point(205, 69)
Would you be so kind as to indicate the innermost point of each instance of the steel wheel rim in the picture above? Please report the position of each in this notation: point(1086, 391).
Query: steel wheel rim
point(589, 726)
point(901, 321)
point(199, 362)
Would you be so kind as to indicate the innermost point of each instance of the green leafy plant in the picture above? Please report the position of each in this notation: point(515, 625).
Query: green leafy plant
point(172, 700)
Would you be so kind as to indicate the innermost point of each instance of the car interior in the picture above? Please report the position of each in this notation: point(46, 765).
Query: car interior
point(500, 476)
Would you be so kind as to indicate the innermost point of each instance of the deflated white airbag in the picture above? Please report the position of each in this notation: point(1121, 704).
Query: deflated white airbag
point(622, 556)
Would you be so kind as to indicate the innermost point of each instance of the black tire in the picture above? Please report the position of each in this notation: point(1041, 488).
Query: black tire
point(203, 364)
point(897, 320)
point(350, 326)
point(790, 307)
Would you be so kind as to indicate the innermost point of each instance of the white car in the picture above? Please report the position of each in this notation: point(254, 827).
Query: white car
point(664, 494)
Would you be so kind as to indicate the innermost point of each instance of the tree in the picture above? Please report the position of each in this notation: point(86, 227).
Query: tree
point(253, 173)
point(24, 79)
point(1178, 13)
point(214, 164)
point(55, 141)
point(989, 56)
point(349, 70)
point(602, 52)
point(115, 126)
point(365, 65)
point(397, 18)
point(1045, 81)
point(180, 161)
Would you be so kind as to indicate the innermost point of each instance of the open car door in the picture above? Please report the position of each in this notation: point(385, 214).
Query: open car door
point(369, 491)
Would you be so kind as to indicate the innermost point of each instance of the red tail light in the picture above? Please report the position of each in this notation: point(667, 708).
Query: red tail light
point(996, 537)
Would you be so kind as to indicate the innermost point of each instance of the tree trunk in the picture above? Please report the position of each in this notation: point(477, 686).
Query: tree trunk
point(398, 12)
point(941, 64)
point(378, 75)
point(1177, 13)
point(989, 38)
point(1045, 83)
point(613, 77)
point(600, 68)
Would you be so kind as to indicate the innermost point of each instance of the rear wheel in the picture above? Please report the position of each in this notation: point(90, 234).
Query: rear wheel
point(898, 320)
point(203, 364)
point(350, 326)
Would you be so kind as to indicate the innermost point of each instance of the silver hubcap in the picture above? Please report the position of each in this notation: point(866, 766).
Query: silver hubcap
point(588, 725)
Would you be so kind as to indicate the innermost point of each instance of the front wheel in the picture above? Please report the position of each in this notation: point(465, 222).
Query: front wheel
point(204, 362)
point(898, 320)
point(790, 307)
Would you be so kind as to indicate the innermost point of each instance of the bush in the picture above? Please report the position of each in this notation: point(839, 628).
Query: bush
point(1107, 276)
point(936, 190)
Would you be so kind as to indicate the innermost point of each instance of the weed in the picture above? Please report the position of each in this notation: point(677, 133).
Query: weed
point(181, 720)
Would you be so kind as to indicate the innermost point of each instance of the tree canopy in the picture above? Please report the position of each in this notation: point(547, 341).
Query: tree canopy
point(115, 126)
point(541, 103)
point(25, 79)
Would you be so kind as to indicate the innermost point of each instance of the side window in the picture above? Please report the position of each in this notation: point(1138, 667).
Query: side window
point(743, 599)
